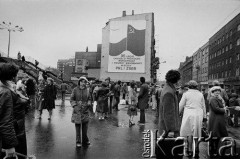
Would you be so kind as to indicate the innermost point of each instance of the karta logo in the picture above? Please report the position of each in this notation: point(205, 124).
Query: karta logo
point(175, 147)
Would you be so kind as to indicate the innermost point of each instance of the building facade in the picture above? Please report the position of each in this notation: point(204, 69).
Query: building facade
point(186, 70)
point(197, 58)
point(128, 48)
point(203, 81)
point(224, 50)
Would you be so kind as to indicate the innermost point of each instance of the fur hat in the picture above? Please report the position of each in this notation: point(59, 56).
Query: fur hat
point(83, 78)
point(214, 88)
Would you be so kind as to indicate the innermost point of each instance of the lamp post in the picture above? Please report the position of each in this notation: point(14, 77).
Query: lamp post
point(10, 28)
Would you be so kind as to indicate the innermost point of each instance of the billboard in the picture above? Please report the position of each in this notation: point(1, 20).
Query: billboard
point(127, 46)
point(80, 65)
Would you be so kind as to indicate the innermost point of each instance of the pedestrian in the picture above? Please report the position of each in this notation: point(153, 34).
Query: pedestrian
point(117, 90)
point(193, 104)
point(124, 90)
point(216, 123)
point(142, 100)
point(31, 91)
point(41, 86)
point(233, 114)
point(8, 138)
point(169, 108)
point(81, 101)
point(132, 107)
point(49, 97)
point(19, 56)
point(102, 101)
point(153, 96)
point(111, 86)
point(64, 88)
point(223, 93)
point(158, 95)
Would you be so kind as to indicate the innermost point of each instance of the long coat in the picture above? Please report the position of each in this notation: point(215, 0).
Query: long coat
point(8, 138)
point(102, 99)
point(194, 111)
point(143, 97)
point(49, 95)
point(80, 101)
point(169, 110)
point(217, 122)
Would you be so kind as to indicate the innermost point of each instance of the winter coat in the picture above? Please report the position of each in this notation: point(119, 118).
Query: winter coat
point(169, 119)
point(49, 95)
point(102, 99)
point(143, 97)
point(8, 137)
point(80, 101)
point(217, 122)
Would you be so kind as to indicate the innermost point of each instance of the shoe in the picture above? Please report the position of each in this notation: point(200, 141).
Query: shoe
point(49, 118)
point(78, 144)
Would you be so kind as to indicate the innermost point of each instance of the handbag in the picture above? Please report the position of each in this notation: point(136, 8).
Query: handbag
point(166, 147)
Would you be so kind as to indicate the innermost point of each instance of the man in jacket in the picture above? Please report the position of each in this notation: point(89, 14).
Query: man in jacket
point(143, 100)
point(169, 120)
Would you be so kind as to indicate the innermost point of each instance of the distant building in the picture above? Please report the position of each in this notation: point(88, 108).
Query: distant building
point(128, 48)
point(186, 70)
point(87, 64)
point(66, 67)
point(224, 60)
point(203, 81)
point(197, 58)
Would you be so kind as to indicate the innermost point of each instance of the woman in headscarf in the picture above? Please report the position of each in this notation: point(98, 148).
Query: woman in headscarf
point(217, 112)
point(102, 100)
point(49, 97)
point(193, 104)
point(81, 102)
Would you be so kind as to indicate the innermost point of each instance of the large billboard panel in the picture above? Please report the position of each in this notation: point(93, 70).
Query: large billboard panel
point(127, 46)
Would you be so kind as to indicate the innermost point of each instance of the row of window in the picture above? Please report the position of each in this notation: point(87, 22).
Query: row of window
point(220, 63)
point(224, 74)
point(229, 34)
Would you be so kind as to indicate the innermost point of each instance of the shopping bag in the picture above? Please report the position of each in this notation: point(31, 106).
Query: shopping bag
point(94, 106)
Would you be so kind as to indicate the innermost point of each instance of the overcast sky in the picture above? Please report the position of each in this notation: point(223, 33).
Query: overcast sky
point(56, 29)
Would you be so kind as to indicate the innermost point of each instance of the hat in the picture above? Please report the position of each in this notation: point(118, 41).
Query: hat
point(214, 88)
point(234, 95)
point(83, 78)
point(216, 83)
point(191, 83)
point(108, 79)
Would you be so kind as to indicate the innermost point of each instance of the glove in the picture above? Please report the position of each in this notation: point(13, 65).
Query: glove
point(10, 152)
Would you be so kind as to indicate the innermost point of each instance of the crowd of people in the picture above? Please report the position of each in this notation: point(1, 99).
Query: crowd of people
point(181, 110)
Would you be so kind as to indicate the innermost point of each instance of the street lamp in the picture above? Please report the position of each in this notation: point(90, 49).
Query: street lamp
point(10, 28)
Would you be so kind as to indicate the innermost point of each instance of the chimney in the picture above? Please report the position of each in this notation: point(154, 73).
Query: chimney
point(132, 12)
point(124, 13)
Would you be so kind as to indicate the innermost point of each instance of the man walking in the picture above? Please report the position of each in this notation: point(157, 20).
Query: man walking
point(143, 100)
point(64, 88)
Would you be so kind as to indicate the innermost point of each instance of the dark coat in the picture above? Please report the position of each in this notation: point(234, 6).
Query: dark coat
point(102, 99)
point(49, 95)
point(217, 122)
point(8, 138)
point(169, 119)
point(143, 97)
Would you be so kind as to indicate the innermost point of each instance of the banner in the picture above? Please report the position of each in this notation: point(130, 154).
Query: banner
point(127, 46)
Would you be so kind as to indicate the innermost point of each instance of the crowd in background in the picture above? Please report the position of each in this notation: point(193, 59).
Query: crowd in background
point(182, 110)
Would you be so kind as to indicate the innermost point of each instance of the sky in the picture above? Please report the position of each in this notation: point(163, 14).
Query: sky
point(56, 29)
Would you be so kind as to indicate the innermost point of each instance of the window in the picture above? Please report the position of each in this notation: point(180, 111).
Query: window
point(237, 56)
point(226, 74)
point(230, 46)
point(220, 40)
point(229, 73)
point(226, 48)
point(237, 71)
point(223, 38)
point(238, 41)
point(226, 35)
point(230, 60)
point(222, 63)
point(226, 61)
point(222, 74)
point(238, 27)
point(222, 50)
point(230, 32)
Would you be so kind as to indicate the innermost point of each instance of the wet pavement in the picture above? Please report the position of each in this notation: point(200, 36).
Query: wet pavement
point(110, 139)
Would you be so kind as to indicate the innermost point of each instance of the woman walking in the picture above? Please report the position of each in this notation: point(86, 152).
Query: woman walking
point(81, 102)
point(217, 112)
point(49, 96)
point(102, 101)
point(193, 104)
point(132, 107)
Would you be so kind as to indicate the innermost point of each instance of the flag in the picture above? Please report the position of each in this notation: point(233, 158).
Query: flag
point(117, 48)
point(136, 41)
